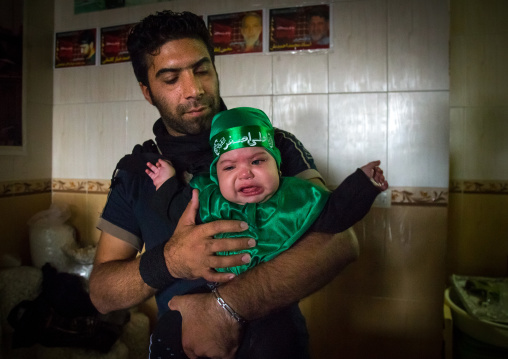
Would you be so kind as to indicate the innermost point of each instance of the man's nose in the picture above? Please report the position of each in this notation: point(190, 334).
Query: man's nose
point(191, 85)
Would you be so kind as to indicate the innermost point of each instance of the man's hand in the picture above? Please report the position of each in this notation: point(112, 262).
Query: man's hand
point(191, 252)
point(207, 329)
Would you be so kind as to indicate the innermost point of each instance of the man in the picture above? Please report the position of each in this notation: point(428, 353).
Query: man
point(173, 60)
point(252, 26)
point(87, 47)
point(319, 27)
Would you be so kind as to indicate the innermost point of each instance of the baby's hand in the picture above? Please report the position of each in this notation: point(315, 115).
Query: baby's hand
point(160, 172)
point(375, 173)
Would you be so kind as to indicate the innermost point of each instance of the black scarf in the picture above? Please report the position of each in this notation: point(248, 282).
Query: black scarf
point(190, 153)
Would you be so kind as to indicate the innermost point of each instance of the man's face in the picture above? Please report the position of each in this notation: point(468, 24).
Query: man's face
point(86, 48)
point(184, 86)
point(318, 28)
point(251, 29)
point(247, 175)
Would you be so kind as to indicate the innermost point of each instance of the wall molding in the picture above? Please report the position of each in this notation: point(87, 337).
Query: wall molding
point(25, 187)
point(479, 187)
point(96, 186)
point(419, 196)
point(416, 196)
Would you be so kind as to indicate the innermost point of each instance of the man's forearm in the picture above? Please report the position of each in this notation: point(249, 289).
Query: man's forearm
point(296, 273)
point(118, 285)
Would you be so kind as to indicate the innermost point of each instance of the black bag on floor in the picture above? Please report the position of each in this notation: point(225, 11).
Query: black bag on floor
point(64, 316)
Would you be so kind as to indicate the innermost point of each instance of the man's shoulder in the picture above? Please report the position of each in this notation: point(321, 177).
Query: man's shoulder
point(284, 137)
point(135, 162)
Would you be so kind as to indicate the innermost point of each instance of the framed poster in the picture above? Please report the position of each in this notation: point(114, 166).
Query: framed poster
point(114, 44)
point(300, 28)
point(237, 33)
point(75, 48)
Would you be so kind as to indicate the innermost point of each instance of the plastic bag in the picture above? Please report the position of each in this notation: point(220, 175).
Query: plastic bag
point(50, 235)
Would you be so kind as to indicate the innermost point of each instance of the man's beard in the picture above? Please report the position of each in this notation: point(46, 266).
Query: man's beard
point(195, 126)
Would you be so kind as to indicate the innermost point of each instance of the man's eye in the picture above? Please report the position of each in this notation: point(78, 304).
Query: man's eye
point(171, 81)
point(201, 70)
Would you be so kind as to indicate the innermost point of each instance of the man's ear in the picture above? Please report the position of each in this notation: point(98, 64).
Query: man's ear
point(146, 92)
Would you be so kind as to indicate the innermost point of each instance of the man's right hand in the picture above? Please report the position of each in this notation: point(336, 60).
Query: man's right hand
point(191, 251)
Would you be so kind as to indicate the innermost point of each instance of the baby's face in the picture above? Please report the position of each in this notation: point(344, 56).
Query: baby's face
point(247, 175)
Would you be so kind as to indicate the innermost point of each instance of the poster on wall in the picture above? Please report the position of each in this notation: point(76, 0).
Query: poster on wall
point(237, 33)
point(300, 28)
point(114, 44)
point(75, 48)
point(83, 6)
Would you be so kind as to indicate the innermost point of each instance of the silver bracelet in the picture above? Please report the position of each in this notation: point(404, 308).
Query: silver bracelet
point(226, 307)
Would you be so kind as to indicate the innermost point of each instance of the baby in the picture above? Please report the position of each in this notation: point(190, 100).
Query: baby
point(245, 184)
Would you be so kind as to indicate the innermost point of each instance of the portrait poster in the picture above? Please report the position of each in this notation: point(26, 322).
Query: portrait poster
point(75, 48)
point(300, 28)
point(237, 33)
point(114, 44)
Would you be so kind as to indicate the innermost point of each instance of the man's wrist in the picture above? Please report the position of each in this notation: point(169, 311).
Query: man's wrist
point(232, 313)
point(153, 269)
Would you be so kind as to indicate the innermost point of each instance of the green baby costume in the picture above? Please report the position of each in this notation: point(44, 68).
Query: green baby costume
point(276, 223)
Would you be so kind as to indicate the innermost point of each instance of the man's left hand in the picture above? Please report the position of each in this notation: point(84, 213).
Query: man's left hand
point(207, 329)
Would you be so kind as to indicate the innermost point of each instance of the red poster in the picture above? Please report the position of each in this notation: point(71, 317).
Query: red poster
point(237, 33)
point(75, 48)
point(300, 28)
point(114, 44)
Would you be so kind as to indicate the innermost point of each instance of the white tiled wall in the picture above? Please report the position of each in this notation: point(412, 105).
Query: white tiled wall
point(479, 91)
point(380, 92)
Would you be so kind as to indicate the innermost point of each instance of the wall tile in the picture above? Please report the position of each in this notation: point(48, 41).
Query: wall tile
point(264, 103)
point(480, 17)
point(243, 75)
point(358, 60)
point(70, 157)
point(65, 20)
point(77, 204)
point(418, 45)
point(477, 241)
point(38, 66)
point(306, 116)
point(458, 71)
point(106, 134)
point(73, 85)
point(39, 135)
point(418, 139)
point(458, 158)
point(95, 205)
point(140, 117)
point(13, 226)
point(486, 74)
point(115, 82)
point(104, 18)
point(485, 146)
point(300, 73)
point(357, 134)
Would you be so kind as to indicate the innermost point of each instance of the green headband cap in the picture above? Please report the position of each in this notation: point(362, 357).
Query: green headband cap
point(238, 128)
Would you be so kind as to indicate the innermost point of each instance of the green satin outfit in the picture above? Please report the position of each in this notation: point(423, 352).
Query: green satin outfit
point(275, 224)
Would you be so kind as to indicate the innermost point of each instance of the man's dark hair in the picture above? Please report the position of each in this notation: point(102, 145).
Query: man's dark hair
point(320, 11)
point(151, 33)
point(86, 37)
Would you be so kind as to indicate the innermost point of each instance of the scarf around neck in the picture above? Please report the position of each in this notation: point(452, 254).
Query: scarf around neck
point(191, 153)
